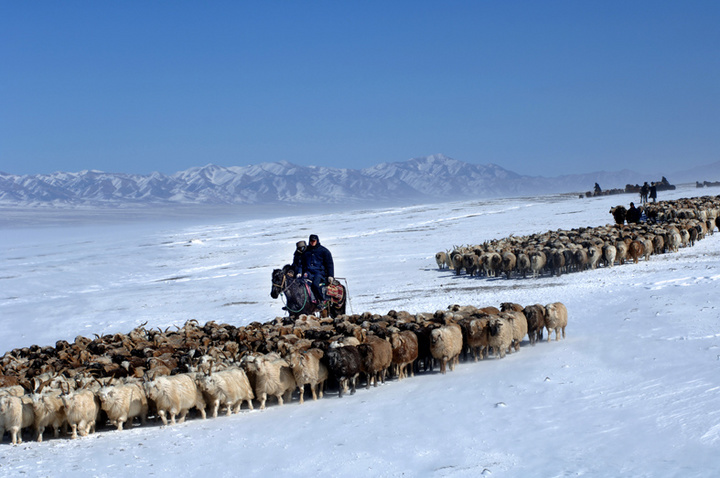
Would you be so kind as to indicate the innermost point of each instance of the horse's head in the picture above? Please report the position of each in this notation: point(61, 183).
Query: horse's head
point(279, 281)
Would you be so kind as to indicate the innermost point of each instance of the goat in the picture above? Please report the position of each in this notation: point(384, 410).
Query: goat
point(49, 411)
point(174, 395)
point(123, 402)
point(229, 388)
point(16, 413)
point(272, 376)
point(82, 408)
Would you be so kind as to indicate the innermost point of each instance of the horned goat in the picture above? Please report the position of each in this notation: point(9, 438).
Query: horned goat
point(175, 395)
point(271, 375)
point(124, 402)
point(82, 408)
point(229, 388)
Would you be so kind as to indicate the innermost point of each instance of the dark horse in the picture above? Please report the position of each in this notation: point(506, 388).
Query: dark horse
point(297, 295)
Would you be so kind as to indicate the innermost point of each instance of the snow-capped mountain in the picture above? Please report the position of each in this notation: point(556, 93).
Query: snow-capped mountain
point(434, 177)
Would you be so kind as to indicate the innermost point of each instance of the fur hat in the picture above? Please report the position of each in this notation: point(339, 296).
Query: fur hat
point(301, 245)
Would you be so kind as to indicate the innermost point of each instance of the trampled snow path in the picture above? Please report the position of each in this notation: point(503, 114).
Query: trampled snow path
point(634, 390)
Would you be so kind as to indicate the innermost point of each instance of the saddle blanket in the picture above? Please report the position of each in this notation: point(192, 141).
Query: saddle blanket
point(335, 292)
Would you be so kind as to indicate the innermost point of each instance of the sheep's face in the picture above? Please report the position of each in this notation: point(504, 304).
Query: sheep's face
point(435, 336)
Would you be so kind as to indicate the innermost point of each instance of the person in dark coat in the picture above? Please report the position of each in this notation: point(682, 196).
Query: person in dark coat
point(644, 190)
point(653, 192)
point(317, 265)
point(633, 214)
point(300, 247)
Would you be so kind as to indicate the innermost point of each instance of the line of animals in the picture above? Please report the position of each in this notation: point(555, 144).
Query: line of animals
point(114, 379)
point(669, 226)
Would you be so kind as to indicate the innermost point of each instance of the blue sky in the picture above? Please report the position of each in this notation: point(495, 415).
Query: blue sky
point(537, 87)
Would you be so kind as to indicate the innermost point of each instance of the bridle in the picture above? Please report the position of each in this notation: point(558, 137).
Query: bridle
point(281, 286)
point(284, 287)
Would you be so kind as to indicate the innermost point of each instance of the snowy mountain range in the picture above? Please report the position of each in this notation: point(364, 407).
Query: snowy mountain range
point(434, 177)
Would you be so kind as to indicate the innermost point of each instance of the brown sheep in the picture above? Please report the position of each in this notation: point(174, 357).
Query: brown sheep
point(636, 249)
point(404, 351)
point(556, 319)
point(535, 315)
point(376, 357)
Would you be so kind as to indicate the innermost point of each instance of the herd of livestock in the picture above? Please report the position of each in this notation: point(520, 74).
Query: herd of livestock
point(669, 226)
point(113, 379)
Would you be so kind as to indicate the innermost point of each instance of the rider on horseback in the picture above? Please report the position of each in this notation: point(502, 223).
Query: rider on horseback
point(317, 266)
point(300, 247)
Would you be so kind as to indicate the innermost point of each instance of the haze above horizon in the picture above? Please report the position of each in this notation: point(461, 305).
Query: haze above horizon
point(538, 88)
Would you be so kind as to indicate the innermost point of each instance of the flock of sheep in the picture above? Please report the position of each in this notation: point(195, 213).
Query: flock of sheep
point(114, 379)
point(669, 226)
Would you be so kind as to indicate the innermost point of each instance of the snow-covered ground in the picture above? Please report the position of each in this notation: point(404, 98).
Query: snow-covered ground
point(634, 390)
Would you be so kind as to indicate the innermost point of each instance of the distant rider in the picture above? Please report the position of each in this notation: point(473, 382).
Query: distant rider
point(317, 265)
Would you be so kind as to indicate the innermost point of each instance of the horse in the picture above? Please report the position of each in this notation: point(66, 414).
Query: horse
point(297, 295)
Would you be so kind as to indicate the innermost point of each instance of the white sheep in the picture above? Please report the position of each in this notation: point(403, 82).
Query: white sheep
point(621, 249)
point(556, 319)
point(124, 402)
point(309, 370)
point(446, 344)
point(594, 255)
point(82, 408)
point(491, 262)
point(442, 260)
point(273, 376)
point(519, 324)
point(16, 413)
point(49, 411)
point(500, 336)
point(674, 239)
point(609, 254)
point(538, 260)
point(175, 395)
point(229, 388)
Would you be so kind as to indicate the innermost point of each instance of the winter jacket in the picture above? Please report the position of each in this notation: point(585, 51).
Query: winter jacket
point(633, 215)
point(297, 263)
point(318, 261)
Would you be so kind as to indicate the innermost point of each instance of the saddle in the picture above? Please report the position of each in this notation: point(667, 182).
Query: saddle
point(334, 292)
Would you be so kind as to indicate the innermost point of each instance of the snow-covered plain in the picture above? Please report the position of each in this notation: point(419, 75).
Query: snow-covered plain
point(634, 390)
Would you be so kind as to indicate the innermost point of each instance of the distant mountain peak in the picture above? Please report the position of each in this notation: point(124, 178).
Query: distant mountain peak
point(434, 177)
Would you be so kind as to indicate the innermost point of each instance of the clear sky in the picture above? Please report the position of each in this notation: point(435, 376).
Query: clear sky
point(537, 87)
